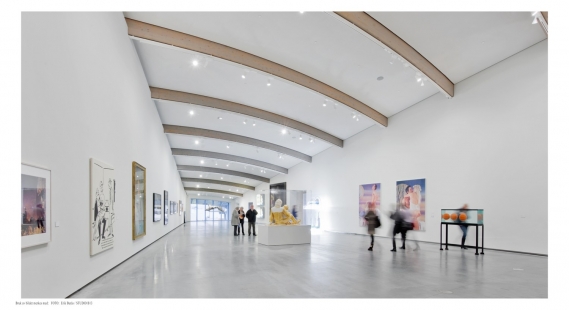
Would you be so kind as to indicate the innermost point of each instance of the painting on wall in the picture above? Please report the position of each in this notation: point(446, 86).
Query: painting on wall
point(166, 202)
point(166, 210)
point(35, 210)
point(369, 193)
point(175, 209)
point(138, 200)
point(260, 202)
point(411, 195)
point(157, 207)
point(180, 207)
point(101, 206)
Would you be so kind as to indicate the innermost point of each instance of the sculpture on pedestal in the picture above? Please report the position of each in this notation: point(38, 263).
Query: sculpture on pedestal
point(281, 215)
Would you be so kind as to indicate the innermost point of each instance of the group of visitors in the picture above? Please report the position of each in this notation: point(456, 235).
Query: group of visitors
point(403, 222)
point(238, 219)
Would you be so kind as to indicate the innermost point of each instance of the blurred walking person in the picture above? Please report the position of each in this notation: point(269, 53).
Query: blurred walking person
point(373, 222)
point(464, 229)
point(403, 222)
point(241, 221)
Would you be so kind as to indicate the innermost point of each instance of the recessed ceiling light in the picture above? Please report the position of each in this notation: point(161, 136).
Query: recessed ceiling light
point(191, 112)
point(197, 142)
point(300, 137)
point(244, 122)
point(227, 146)
point(195, 63)
point(311, 140)
point(198, 194)
point(198, 185)
point(200, 175)
point(254, 124)
point(201, 162)
point(242, 76)
point(222, 178)
point(220, 118)
point(283, 131)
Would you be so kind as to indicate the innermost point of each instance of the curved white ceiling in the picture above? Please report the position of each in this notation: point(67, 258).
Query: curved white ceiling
point(461, 44)
point(314, 43)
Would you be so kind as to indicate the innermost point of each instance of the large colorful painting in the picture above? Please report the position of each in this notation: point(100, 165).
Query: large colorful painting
point(36, 206)
point(138, 200)
point(102, 206)
point(411, 195)
point(157, 207)
point(369, 193)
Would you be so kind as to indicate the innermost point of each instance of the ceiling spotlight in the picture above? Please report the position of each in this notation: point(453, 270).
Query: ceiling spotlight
point(391, 62)
point(243, 75)
point(195, 63)
point(325, 101)
point(200, 175)
point(198, 185)
point(222, 178)
point(220, 118)
point(244, 122)
point(311, 140)
point(227, 146)
point(198, 194)
point(245, 181)
point(201, 162)
point(283, 131)
point(354, 115)
point(197, 142)
point(300, 137)
point(254, 124)
point(357, 119)
point(191, 112)
point(227, 165)
point(269, 82)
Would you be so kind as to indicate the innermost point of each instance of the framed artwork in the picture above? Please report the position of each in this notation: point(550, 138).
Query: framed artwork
point(157, 207)
point(138, 200)
point(180, 208)
point(369, 193)
point(411, 195)
point(35, 212)
point(166, 210)
point(165, 201)
point(175, 207)
point(101, 206)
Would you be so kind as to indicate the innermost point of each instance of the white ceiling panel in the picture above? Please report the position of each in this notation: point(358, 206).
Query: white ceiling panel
point(233, 189)
point(223, 164)
point(220, 146)
point(177, 113)
point(314, 43)
point(222, 177)
point(171, 68)
point(461, 44)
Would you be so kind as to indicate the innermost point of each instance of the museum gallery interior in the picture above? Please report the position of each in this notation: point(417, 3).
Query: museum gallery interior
point(374, 154)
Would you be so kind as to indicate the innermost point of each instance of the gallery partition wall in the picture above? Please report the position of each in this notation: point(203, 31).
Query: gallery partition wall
point(209, 210)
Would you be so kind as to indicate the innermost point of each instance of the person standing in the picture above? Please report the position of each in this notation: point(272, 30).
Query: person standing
point(372, 222)
point(235, 221)
point(241, 221)
point(252, 218)
point(464, 229)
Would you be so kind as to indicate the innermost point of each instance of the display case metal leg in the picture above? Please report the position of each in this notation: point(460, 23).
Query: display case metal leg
point(482, 240)
point(446, 242)
point(476, 240)
point(441, 240)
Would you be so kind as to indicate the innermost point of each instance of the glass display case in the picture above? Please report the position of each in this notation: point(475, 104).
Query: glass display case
point(462, 216)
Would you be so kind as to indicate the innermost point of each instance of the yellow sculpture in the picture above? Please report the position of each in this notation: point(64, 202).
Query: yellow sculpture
point(281, 216)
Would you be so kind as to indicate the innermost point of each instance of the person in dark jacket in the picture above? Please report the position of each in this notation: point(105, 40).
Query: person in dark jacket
point(241, 220)
point(403, 222)
point(372, 222)
point(252, 218)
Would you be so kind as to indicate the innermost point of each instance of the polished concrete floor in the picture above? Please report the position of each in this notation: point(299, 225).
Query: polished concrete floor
point(206, 260)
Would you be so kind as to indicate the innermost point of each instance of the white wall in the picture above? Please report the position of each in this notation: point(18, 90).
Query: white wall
point(487, 147)
point(84, 94)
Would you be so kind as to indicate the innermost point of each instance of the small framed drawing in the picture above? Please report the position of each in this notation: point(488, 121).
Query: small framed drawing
point(157, 211)
point(35, 212)
point(138, 200)
point(181, 208)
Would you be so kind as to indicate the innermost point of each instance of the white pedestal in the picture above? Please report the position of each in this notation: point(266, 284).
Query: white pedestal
point(281, 235)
